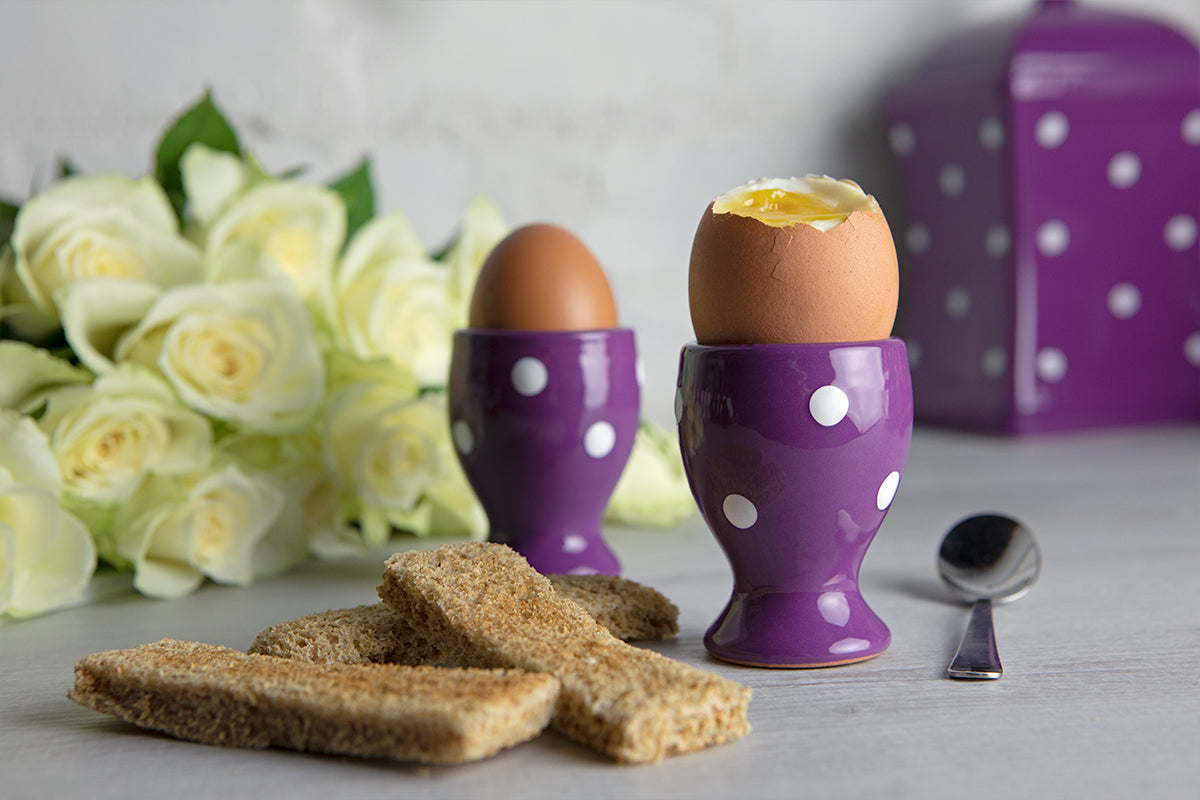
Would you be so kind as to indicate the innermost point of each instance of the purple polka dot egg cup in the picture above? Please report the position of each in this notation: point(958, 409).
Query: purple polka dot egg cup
point(543, 423)
point(794, 453)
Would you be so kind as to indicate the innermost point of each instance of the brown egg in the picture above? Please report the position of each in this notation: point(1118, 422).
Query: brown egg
point(794, 260)
point(542, 278)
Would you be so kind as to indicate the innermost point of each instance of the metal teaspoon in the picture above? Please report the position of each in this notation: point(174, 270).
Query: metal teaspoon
point(987, 558)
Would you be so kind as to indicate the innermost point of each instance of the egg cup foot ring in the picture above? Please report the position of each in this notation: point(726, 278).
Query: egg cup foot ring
point(797, 630)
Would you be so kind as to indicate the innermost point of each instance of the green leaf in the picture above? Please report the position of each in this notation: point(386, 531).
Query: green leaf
point(66, 168)
point(8, 220)
point(203, 123)
point(448, 247)
point(294, 172)
point(356, 191)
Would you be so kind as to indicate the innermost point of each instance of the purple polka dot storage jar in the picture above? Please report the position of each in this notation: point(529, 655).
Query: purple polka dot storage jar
point(1049, 171)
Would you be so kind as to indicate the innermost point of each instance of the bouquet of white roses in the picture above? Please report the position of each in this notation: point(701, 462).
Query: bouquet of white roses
point(215, 372)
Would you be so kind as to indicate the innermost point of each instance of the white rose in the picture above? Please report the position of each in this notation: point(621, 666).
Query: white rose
point(243, 352)
point(109, 436)
point(328, 496)
point(387, 465)
point(391, 301)
point(177, 532)
point(383, 239)
point(211, 179)
point(88, 227)
point(482, 228)
point(448, 506)
point(313, 516)
point(454, 510)
point(46, 554)
point(653, 490)
point(312, 511)
point(30, 372)
point(95, 314)
point(397, 451)
point(291, 228)
point(346, 369)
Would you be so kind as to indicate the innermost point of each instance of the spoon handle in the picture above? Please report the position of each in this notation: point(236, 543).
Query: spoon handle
point(977, 657)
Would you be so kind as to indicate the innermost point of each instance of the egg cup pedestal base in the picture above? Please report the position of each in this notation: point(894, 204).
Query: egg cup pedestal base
point(789, 629)
point(794, 453)
point(543, 423)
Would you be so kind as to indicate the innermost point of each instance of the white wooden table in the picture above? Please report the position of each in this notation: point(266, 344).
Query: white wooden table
point(1101, 696)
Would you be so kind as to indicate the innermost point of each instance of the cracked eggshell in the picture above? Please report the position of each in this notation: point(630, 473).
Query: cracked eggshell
point(752, 283)
point(542, 278)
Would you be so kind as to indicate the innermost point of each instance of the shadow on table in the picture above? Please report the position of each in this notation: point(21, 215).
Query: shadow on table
point(93, 723)
point(923, 589)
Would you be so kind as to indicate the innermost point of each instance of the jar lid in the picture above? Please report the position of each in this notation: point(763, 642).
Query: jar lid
point(1063, 47)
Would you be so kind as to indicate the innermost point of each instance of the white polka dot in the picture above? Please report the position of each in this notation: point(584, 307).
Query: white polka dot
point(997, 240)
point(740, 512)
point(901, 139)
point(599, 439)
point(991, 134)
point(1191, 349)
point(952, 179)
point(828, 405)
point(529, 376)
point(1052, 129)
point(994, 362)
point(574, 543)
point(1124, 169)
point(678, 404)
point(887, 490)
point(1051, 364)
point(1053, 237)
point(639, 372)
point(1190, 129)
point(1124, 300)
point(1180, 233)
point(464, 440)
point(958, 302)
point(917, 238)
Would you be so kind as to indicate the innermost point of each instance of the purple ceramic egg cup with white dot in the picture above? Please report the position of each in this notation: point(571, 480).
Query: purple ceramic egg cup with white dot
point(543, 423)
point(794, 453)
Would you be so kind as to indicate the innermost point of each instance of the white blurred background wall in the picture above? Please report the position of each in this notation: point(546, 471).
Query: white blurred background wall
point(617, 120)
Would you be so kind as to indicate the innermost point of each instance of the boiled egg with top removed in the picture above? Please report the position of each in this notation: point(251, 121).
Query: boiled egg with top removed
point(793, 260)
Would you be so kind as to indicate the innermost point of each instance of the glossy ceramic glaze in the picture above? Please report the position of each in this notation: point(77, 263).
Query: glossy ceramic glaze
point(543, 423)
point(794, 453)
point(1049, 169)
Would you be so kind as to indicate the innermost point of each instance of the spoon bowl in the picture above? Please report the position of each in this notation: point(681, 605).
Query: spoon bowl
point(986, 559)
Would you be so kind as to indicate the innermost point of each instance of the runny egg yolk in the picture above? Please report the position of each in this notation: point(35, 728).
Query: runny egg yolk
point(814, 200)
point(779, 206)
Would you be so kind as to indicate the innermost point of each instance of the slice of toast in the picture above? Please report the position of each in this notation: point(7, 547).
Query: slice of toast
point(373, 634)
point(376, 634)
point(216, 695)
point(630, 610)
point(484, 606)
